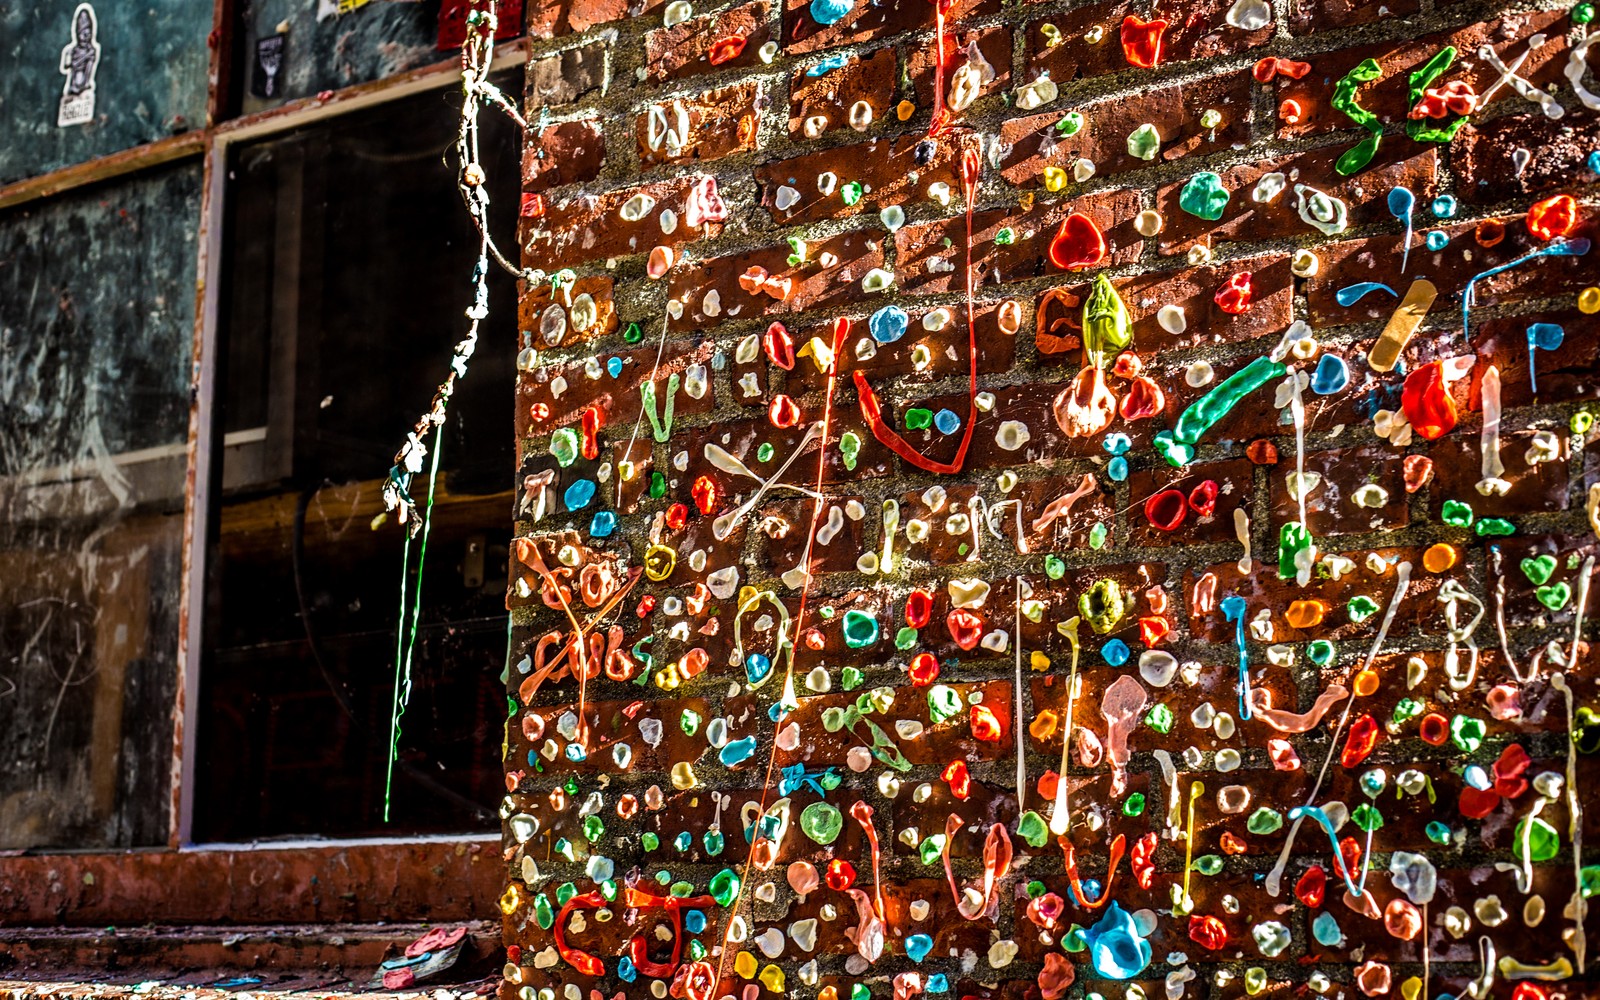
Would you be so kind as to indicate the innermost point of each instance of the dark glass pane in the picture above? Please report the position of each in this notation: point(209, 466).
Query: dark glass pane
point(136, 71)
point(348, 270)
point(286, 50)
point(97, 292)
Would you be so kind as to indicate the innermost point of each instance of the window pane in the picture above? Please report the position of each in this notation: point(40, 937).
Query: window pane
point(97, 293)
point(290, 49)
point(348, 271)
point(136, 71)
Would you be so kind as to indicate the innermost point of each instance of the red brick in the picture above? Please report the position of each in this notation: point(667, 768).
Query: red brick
point(1194, 290)
point(1377, 259)
point(1247, 220)
point(1175, 112)
point(1329, 509)
point(1026, 257)
point(684, 49)
point(1196, 30)
point(567, 153)
point(1235, 482)
point(886, 168)
point(871, 78)
point(1540, 488)
point(587, 227)
point(1484, 156)
point(533, 303)
point(814, 287)
point(993, 43)
point(565, 76)
point(870, 21)
point(1566, 374)
point(719, 122)
point(1309, 16)
point(549, 18)
point(1388, 98)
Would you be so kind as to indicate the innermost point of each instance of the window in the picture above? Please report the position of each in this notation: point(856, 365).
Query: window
point(96, 329)
point(346, 277)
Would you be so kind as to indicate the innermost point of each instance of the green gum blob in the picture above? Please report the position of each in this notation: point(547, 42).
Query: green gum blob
point(1293, 539)
point(724, 887)
point(860, 629)
point(1264, 821)
point(1177, 445)
point(1204, 196)
point(564, 446)
point(1493, 527)
point(943, 703)
point(1159, 719)
point(850, 448)
point(1455, 513)
point(1106, 326)
point(1361, 607)
point(1103, 606)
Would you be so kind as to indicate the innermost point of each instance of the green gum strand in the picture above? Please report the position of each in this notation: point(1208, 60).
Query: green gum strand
point(1344, 99)
point(660, 427)
point(1424, 130)
point(1177, 445)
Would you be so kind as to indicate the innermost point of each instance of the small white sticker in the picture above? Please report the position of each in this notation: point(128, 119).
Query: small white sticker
point(79, 61)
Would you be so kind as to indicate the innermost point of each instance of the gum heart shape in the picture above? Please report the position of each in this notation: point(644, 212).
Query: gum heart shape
point(1555, 596)
point(1079, 244)
point(1538, 569)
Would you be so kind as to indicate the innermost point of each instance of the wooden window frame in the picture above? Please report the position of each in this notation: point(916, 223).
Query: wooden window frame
point(418, 858)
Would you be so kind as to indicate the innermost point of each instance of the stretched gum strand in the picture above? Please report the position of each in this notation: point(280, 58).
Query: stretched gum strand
point(1234, 608)
point(862, 813)
point(1120, 706)
point(1274, 883)
point(996, 862)
point(1196, 790)
point(1061, 812)
point(1289, 722)
point(1062, 505)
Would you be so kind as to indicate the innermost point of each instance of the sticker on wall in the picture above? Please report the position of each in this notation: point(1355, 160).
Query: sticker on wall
point(79, 60)
point(265, 81)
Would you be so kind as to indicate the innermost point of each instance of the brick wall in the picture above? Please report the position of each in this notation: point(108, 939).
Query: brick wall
point(731, 183)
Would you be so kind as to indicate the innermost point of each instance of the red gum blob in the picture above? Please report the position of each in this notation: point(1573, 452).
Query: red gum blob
point(1166, 510)
point(965, 627)
point(919, 608)
point(1141, 40)
point(1203, 498)
point(1312, 888)
point(1144, 399)
point(1078, 245)
point(1267, 68)
point(780, 346)
point(1555, 216)
point(1426, 401)
point(1235, 295)
point(1363, 738)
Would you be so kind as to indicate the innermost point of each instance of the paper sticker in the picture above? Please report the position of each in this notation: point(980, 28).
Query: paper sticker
point(264, 82)
point(79, 60)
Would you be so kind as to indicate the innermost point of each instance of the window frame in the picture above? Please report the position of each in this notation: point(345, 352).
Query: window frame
point(211, 144)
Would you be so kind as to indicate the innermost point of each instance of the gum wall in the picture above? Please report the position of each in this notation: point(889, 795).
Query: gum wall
point(1037, 500)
